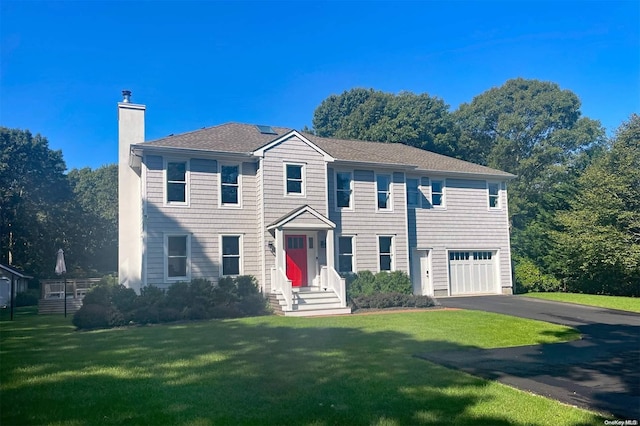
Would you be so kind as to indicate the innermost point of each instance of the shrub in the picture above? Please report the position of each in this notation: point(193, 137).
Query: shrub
point(146, 315)
point(92, 316)
point(168, 314)
point(391, 300)
point(529, 278)
point(123, 299)
point(27, 298)
point(201, 292)
point(253, 305)
point(225, 311)
point(226, 292)
point(366, 283)
point(150, 296)
point(99, 295)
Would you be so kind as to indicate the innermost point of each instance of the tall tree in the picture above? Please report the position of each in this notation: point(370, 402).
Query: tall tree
point(600, 240)
point(535, 130)
point(420, 120)
point(96, 193)
point(34, 201)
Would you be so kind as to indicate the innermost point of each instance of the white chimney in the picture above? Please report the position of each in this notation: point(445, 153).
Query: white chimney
point(130, 233)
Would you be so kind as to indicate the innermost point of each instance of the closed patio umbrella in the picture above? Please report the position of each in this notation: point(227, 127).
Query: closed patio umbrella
point(61, 269)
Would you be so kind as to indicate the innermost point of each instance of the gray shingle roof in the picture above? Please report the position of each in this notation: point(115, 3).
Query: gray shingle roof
point(245, 138)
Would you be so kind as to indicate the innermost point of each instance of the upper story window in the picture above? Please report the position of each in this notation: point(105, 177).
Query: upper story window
point(176, 177)
point(385, 253)
point(437, 193)
point(177, 261)
point(294, 175)
point(383, 189)
point(345, 254)
point(230, 185)
point(494, 195)
point(413, 194)
point(343, 190)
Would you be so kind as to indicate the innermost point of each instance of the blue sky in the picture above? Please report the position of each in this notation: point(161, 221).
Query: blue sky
point(197, 64)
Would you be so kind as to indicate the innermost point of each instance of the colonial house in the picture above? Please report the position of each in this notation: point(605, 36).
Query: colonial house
point(298, 211)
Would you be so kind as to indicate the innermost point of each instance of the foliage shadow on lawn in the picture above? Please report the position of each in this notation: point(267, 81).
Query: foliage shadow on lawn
point(254, 371)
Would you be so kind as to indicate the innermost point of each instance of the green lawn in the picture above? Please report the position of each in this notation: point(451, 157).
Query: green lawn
point(345, 370)
point(612, 302)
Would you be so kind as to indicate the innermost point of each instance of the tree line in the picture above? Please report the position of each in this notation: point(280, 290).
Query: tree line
point(574, 207)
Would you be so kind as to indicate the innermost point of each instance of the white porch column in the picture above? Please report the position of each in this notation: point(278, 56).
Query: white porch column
point(280, 249)
point(331, 255)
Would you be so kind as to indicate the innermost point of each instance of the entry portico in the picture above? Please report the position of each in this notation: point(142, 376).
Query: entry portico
point(304, 258)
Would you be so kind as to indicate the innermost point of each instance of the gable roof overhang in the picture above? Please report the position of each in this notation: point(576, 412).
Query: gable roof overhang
point(138, 150)
point(288, 221)
point(14, 272)
point(260, 151)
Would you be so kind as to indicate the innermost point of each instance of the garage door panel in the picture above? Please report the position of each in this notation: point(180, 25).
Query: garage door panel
point(472, 272)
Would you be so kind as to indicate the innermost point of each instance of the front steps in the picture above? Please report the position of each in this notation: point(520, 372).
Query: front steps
point(309, 302)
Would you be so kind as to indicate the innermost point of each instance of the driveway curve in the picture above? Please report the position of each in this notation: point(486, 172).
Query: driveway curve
point(600, 372)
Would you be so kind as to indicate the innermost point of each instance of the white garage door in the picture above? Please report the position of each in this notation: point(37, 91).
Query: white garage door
point(472, 272)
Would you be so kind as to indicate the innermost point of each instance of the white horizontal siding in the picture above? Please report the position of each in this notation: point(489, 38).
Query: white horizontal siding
point(367, 224)
point(203, 219)
point(466, 223)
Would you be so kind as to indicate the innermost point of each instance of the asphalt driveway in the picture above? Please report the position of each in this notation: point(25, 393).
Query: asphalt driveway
point(600, 372)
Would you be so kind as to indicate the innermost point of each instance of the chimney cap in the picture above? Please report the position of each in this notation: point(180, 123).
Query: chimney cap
point(126, 96)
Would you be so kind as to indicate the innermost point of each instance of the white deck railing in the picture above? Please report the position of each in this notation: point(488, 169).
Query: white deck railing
point(330, 279)
point(76, 288)
point(282, 284)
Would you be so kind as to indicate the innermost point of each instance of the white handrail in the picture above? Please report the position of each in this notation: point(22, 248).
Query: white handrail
point(332, 280)
point(281, 283)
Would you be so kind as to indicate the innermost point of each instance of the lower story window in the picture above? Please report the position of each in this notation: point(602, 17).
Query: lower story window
point(385, 249)
point(345, 254)
point(231, 255)
point(177, 256)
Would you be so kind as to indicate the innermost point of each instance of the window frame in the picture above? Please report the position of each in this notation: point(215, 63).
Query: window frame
point(498, 205)
point(417, 191)
point(303, 179)
point(352, 254)
point(391, 253)
point(389, 192)
point(166, 182)
point(351, 191)
point(240, 255)
point(443, 193)
point(186, 277)
point(221, 204)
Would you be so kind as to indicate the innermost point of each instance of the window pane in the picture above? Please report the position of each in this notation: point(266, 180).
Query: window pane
point(343, 198)
point(294, 187)
point(177, 246)
point(231, 246)
point(436, 199)
point(229, 174)
point(493, 201)
point(383, 200)
point(176, 192)
point(177, 267)
point(436, 186)
point(344, 264)
point(385, 262)
point(294, 172)
point(343, 181)
point(229, 195)
point(383, 183)
point(231, 266)
point(344, 245)
point(176, 171)
point(385, 244)
point(493, 189)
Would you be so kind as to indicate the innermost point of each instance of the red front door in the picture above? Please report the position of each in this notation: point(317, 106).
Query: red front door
point(296, 250)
